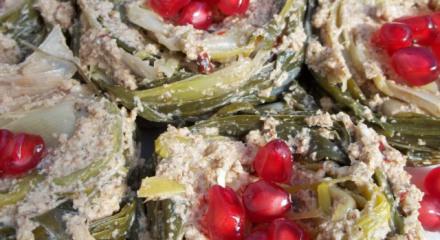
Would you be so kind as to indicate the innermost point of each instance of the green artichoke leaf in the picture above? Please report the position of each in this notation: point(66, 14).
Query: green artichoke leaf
point(397, 220)
point(24, 24)
point(53, 226)
point(121, 221)
point(20, 190)
point(95, 168)
point(7, 233)
point(163, 222)
point(289, 126)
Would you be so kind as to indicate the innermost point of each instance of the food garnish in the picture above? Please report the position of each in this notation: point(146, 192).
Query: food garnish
point(198, 13)
point(19, 152)
point(410, 43)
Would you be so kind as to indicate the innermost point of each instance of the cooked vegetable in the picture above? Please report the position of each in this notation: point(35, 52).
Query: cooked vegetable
point(88, 142)
point(159, 187)
point(23, 23)
point(19, 191)
point(333, 191)
point(289, 125)
point(373, 220)
point(396, 217)
point(360, 76)
point(170, 86)
point(52, 64)
point(52, 224)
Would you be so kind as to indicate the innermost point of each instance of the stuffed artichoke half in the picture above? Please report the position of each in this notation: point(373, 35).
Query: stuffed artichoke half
point(171, 72)
point(355, 188)
point(373, 60)
point(65, 177)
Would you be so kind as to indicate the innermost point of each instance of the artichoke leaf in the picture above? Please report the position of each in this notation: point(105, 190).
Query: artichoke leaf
point(153, 188)
point(95, 167)
point(48, 122)
point(20, 190)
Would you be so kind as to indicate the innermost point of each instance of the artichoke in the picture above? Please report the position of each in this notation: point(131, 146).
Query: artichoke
point(25, 22)
point(177, 73)
point(80, 185)
point(350, 69)
point(341, 187)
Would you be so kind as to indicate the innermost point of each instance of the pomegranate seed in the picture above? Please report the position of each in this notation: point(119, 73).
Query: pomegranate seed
point(393, 36)
point(257, 235)
point(435, 46)
point(429, 213)
point(233, 7)
point(168, 8)
point(286, 230)
point(421, 26)
point(436, 20)
point(265, 201)
point(6, 145)
point(225, 219)
point(27, 152)
point(416, 65)
point(212, 2)
point(273, 162)
point(198, 14)
point(204, 63)
point(432, 183)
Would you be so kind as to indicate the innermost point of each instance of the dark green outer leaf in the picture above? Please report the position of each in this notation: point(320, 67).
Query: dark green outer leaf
point(53, 227)
point(290, 125)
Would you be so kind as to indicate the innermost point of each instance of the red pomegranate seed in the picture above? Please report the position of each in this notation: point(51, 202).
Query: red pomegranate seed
point(432, 183)
point(265, 201)
point(204, 63)
point(6, 145)
point(27, 152)
point(212, 2)
point(233, 7)
point(225, 219)
point(168, 8)
point(198, 14)
point(421, 26)
point(429, 213)
point(274, 162)
point(393, 36)
point(436, 20)
point(286, 230)
point(416, 65)
point(257, 235)
point(435, 46)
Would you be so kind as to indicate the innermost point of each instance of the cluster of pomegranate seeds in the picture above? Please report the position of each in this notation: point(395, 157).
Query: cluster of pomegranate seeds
point(19, 153)
point(263, 203)
point(413, 44)
point(429, 212)
point(199, 13)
